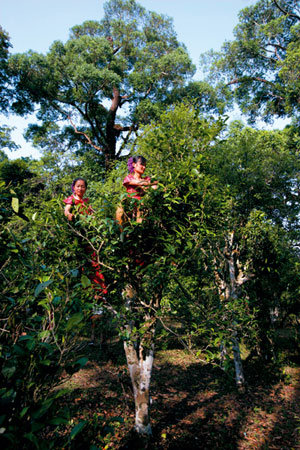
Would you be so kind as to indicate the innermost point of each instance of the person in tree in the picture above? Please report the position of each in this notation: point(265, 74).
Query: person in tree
point(79, 187)
point(136, 184)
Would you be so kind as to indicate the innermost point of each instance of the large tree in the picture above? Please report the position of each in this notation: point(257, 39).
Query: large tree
point(252, 252)
point(261, 64)
point(107, 79)
point(4, 75)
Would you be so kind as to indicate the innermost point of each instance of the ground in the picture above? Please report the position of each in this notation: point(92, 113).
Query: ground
point(195, 405)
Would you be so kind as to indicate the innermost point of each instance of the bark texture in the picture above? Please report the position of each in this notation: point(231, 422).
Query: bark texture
point(139, 350)
point(230, 275)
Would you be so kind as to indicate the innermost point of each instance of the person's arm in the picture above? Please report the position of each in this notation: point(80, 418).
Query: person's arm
point(68, 213)
point(135, 182)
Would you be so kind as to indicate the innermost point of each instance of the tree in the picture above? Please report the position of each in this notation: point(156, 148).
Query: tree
point(140, 259)
point(5, 91)
point(106, 80)
point(261, 64)
point(261, 172)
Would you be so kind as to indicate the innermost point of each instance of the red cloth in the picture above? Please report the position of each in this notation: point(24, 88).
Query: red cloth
point(138, 191)
point(96, 277)
point(79, 201)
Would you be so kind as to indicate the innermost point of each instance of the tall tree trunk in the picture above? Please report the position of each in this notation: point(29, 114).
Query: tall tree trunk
point(230, 276)
point(139, 350)
point(140, 362)
point(237, 278)
point(238, 365)
point(110, 150)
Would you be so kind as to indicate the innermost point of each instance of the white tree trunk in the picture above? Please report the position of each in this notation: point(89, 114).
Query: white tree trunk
point(237, 278)
point(239, 373)
point(140, 355)
point(228, 260)
point(140, 362)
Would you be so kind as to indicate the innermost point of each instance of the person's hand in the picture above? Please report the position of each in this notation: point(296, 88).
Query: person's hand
point(144, 182)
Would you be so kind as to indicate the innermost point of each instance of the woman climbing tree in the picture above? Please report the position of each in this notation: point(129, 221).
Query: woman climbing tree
point(136, 184)
point(79, 186)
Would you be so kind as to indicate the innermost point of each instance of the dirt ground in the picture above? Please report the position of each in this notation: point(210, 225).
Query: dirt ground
point(194, 405)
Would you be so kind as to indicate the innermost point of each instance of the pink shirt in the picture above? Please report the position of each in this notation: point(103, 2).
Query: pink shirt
point(76, 201)
point(138, 191)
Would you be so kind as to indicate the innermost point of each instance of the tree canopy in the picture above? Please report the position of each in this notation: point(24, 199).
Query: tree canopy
point(261, 64)
point(106, 80)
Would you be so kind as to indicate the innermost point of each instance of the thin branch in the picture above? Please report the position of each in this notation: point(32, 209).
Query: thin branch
point(89, 242)
point(286, 12)
point(240, 80)
point(85, 135)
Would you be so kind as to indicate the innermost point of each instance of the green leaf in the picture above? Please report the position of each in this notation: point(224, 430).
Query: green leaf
point(74, 320)
point(40, 287)
point(44, 334)
point(58, 421)
point(15, 204)
point(31, 437)
point(85, 281)
point(82, 361)
point(46, 362)
point(8, 371)
point(43, 409)
point(24, 411)
point(77, 429)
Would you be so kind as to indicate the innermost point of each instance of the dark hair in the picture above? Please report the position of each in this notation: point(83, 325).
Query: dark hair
point(77, 179)
point(135, 159)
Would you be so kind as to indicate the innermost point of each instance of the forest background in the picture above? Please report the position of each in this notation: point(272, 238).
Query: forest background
point(219, 237)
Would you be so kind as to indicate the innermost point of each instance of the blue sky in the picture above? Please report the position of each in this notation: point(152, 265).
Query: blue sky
point(34, 24)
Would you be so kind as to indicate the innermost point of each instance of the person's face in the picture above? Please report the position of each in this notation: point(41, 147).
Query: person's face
point(79, 188)
point(139, 167)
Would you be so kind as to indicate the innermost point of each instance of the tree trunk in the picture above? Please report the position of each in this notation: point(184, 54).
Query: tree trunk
point(237, 278)
point(139, 350)
point(229, 288)
point(239, 373)
point(140, 362)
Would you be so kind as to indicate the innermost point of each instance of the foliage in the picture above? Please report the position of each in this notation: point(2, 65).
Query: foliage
point(5, 138)
point(131, 59)
point(211, 180)
point(44, 309)
point(215, 259)
point(261, 64)
point(5, 91)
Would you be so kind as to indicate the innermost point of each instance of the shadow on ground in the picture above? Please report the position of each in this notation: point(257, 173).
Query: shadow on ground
point(195, 405)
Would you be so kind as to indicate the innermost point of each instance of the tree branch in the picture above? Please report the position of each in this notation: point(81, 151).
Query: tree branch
point(263, 80)
point(85, 135)
point(286, 12)
point(240, 80)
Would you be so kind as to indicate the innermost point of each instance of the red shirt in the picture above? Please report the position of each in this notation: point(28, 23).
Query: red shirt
point(138, 191)
point(79, 201)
